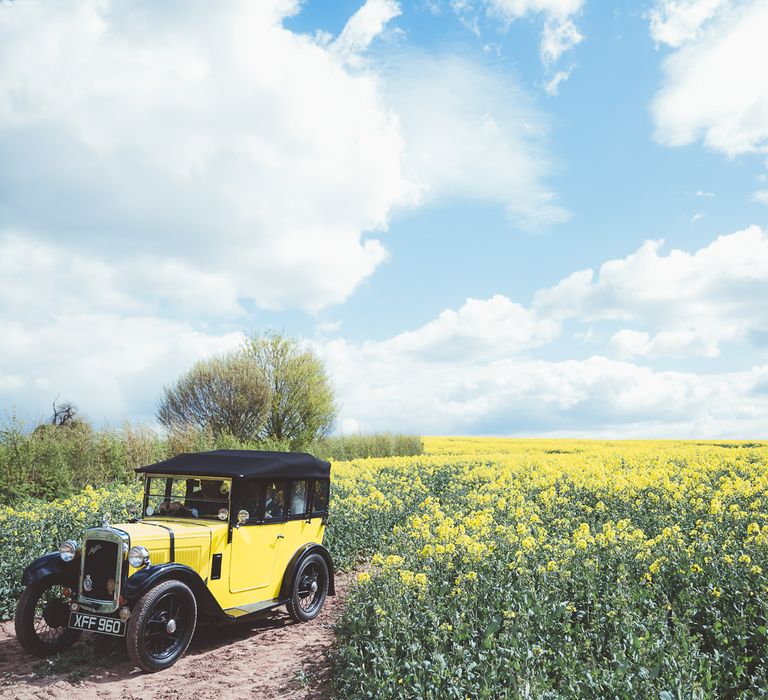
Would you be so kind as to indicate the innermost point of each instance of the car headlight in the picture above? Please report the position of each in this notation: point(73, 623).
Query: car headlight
point(68, 550)
point(138, 557)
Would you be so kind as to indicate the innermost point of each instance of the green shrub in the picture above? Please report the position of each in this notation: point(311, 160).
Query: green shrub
point(346, 447)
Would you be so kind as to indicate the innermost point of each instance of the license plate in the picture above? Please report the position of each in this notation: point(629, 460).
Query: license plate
point(97, 623)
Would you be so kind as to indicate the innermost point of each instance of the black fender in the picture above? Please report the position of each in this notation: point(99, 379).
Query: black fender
point(301, 553)
point(144, 579)
point(52, 565)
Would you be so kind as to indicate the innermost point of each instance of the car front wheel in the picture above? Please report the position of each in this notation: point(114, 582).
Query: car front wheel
point(161, 626)
point(42, 616)
point(309, 589)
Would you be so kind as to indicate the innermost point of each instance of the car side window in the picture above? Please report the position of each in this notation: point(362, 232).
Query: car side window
point(320, 497)
point(274, 500)
point(249, 498)
point(299, 492)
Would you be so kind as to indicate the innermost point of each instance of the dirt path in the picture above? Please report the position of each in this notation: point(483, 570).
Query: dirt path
point(271, 658)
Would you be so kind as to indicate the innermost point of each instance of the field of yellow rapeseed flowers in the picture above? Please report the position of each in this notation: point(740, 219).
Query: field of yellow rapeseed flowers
point(32, 530)
point(526, 568)
point(549, 569)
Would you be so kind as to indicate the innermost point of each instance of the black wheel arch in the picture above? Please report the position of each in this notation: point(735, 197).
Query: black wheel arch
point(301, 553)
point(52, 565)
point(144, 579)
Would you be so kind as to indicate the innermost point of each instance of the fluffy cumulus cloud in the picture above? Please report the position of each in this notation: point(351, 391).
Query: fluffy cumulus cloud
point(691, 302)
point(212, 137)
point(714, 90)
point(479, 368)
point(166, 170)
point(76, 331)
point(515, 395)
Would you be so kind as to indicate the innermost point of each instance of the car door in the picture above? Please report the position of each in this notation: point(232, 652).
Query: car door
point(257, 544)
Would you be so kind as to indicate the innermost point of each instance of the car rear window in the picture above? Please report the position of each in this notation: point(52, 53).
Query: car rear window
point(299, 494)
point(320, 497)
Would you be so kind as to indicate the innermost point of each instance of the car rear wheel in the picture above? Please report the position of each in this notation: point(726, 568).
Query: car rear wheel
point(309, 589)
point(42, 616)
point(161, 626)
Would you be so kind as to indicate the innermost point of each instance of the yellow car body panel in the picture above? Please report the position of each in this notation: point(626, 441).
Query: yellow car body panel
point(252, 564)
point(261, 553)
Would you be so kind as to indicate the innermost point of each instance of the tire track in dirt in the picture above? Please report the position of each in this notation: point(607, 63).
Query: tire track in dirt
point(270, 658)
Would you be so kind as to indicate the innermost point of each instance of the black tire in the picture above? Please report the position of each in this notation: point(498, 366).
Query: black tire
point(309, 589)
point(41, 619)
point(152, 643)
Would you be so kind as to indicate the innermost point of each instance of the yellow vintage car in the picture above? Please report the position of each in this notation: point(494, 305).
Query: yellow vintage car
point(222, 536)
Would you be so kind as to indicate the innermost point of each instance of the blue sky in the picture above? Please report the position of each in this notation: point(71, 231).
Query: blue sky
point(418, 189)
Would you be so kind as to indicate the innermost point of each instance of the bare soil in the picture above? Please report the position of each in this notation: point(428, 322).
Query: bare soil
point(270, 658)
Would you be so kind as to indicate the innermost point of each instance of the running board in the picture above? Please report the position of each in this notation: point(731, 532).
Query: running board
point(242, 610)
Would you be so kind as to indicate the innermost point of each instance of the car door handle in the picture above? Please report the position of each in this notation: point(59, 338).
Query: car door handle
point(281, 537)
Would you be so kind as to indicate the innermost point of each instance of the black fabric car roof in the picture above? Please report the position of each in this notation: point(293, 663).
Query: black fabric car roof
point(243, 463)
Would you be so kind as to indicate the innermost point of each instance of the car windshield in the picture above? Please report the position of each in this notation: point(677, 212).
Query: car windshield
point(183, 497)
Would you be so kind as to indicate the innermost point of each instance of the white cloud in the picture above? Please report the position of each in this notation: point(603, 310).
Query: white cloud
point(627, 344)
point(473, 133)
point(475, 369)
point(222, 159)
point(714, 90)
point(517, 9)
point(171, 170)
point(674, 22)
point(761, 197)
point(481, 328)
point(702, 193)
point(697, 301)
point(552, 86)
point(111, 366)
point(559, 36)
point(364, 26)
point(560, 33)
point(217, 140)
point(514, 396)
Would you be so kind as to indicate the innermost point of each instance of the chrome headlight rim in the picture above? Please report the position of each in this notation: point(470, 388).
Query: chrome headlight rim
point(68, 550)
point(138, 556)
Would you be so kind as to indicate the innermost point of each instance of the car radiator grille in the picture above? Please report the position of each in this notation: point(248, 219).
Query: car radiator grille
point(100, 564)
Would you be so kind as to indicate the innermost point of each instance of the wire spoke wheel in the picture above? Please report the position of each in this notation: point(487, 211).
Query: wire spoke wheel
point(310, 588)
point(162, 625)
point(51, 615)
point(42, 618)
point(166, 627)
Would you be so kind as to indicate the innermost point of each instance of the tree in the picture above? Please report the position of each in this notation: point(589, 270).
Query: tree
point(64, 413)
point(226, 395)
point(303, 403)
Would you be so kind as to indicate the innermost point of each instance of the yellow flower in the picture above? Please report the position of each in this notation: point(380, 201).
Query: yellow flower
point(363, 578)
point(745, 559)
